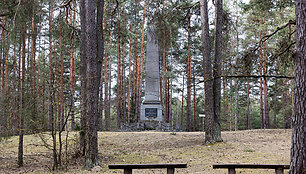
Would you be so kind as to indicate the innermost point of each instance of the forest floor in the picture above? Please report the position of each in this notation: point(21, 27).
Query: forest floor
point(251, 146)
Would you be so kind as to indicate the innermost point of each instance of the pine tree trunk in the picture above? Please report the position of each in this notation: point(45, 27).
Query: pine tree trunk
point(106, 101)
point(194, 126)
point(61, 92)
point(14, 118)
point(275, 96)
point(298, 149)
point(188, 108)
point(83, 65)
point(94, 60)
point(100, 55)
point(287, 116)
point(72, 71)
point(5, 97)
point(51, 89)
point(266, 97)
point(237, 105)
point(261, 105)
point(130, 70)
point(1, 60)
point(119, 82)
point(21, 95)
point(135, 77)
point(248, 105)
point(32, 74)
point(182, 110)
point(123, 85)
point(208, 80)
point(50, 67)
point(261, 85)
point(217, 70)
point(225, 92)
point(107, 76)
point(141, 62)
point(171, 91)
point(3, 55)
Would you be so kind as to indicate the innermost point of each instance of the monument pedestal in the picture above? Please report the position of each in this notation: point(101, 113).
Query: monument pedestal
point(151, 110)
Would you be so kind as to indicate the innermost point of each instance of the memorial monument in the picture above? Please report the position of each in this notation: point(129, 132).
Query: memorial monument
point(151, 108)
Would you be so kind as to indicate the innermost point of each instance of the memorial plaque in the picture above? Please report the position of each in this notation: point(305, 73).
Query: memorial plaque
point(151, 112)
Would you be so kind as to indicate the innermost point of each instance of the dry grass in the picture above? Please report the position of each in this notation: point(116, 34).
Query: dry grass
point(252, 146)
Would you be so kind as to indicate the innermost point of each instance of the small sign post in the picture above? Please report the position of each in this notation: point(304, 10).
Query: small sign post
point(203, 118)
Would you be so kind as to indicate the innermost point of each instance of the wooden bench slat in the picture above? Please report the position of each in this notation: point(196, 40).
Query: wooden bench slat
point(252, 166)
point(146, 166)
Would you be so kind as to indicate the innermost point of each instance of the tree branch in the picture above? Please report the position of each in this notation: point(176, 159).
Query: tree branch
point(258, 76)
point(66, 4)
point(249, 76)
point(266, 37)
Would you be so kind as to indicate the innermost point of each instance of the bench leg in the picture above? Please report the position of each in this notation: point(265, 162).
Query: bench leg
point(170, 170)
point(279, 171)
point(232, 171)
point(127, 171)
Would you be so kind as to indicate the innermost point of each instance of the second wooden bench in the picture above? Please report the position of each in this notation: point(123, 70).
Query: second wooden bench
point(129, 167)
point(279, 168)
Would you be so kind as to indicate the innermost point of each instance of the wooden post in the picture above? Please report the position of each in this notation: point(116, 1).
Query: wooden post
point(279, 171)
point(231, 171)
point(127, 171)
point(170, 170)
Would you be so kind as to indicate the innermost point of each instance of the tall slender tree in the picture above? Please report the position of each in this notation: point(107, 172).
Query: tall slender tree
point(94, 59)
point(207, 68)
point(83, 65)
point(298, 149)
point(188, 107)
point(212, 78)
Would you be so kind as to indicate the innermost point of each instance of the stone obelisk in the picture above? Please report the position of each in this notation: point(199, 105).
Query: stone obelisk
point(151, 108)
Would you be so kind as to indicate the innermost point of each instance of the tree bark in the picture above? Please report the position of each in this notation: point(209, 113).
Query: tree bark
point(119, 78)
point(298, 149)
point(237, 105)
point(61, 92)
point(141, 63)
point(130, 70)
point(51, 89)
point(217, 70)
point(21, 95)
point(94, 60)
point(188, 107)
point(100, 55)
point(83, 65)
point(266, 97)
point(72, 71)
point(32, 65)
point(171, 91)
point(106, 98)
point(208, 80)
point(182, 110)
point(248, 105)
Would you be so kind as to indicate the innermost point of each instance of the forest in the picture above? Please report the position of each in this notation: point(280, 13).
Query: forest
point(77, 68)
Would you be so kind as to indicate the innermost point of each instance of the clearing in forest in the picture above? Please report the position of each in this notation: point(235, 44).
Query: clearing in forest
point(250, 146)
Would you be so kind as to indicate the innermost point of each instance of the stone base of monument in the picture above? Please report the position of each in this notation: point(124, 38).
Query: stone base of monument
point(151, 111)
point(146, 125)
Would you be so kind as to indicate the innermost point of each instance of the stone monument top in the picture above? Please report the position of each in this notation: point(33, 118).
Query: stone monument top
point(152, 68)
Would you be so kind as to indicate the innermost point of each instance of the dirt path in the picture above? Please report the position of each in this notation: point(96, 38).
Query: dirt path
point(253, 146)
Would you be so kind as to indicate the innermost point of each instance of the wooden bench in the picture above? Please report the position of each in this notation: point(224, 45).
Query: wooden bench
point(129, 167)
point(279, 168)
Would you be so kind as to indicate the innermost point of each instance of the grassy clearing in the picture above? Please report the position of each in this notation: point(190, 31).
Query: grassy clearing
point(252, 146)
